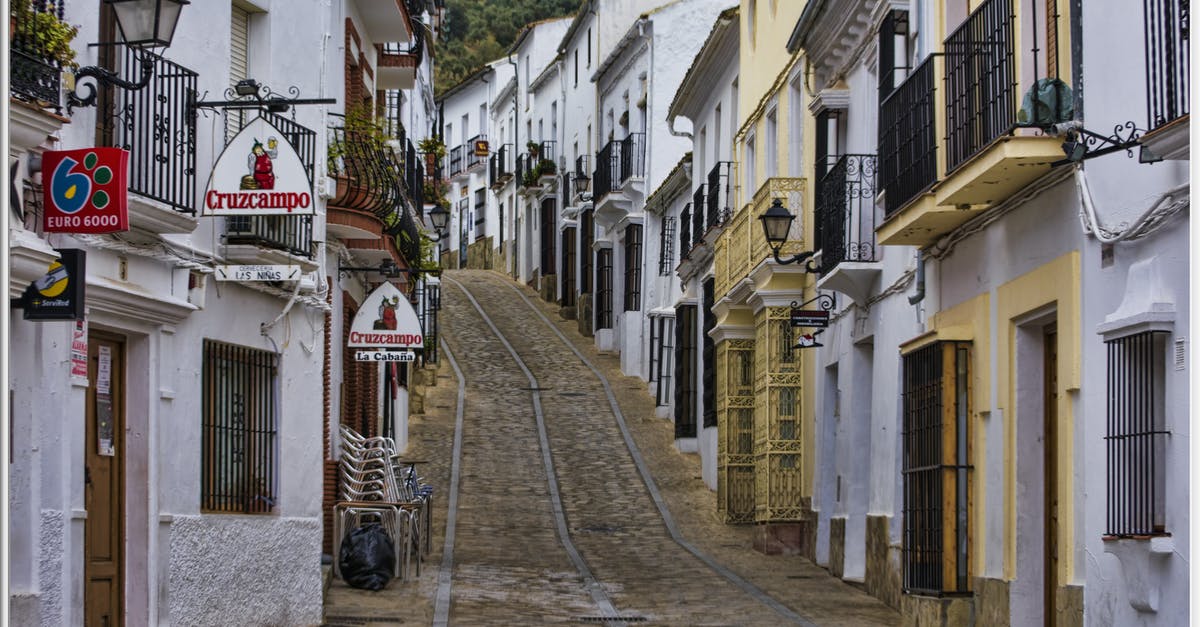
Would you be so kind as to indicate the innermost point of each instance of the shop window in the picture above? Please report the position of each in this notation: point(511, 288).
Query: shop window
point(238, 473)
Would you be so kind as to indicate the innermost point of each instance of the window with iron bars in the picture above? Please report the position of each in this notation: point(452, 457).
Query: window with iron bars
point(685, 371)
point(709, 356)
point(935, 470)
point(633, 267)
point(239, 424)
point(662, 357)
point(666, 247)
point(604, 288)
point(1137, 435)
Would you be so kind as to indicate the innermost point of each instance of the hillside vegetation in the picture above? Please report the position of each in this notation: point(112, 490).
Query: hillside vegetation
point(478, 31)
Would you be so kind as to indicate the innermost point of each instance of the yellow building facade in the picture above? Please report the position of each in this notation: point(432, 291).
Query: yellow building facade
point(764, 416)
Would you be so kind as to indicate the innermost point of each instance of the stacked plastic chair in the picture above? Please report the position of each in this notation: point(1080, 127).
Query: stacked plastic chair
point(374, 488)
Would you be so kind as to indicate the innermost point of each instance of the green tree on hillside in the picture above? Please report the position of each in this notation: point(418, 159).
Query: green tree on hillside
point(478, 31)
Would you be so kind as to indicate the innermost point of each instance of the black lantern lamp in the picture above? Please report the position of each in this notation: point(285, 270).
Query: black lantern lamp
point(141, 24)
point(440, 219)
point(776, 222)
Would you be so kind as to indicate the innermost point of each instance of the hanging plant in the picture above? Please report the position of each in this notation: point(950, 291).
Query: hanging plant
point(432, 146)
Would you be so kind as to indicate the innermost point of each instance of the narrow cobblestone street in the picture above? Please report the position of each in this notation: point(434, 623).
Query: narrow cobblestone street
point(509, 564)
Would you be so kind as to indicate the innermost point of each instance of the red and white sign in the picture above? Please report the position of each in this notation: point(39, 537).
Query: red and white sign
point(386, 321)
point(258, 174)
point(85, 190)
point(79, 350)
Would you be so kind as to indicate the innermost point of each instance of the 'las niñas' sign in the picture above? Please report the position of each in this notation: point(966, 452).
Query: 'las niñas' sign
point(258, 174)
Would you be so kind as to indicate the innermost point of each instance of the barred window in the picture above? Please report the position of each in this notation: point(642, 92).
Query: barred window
point(709, 356)
point(586, 238)
point(935, 468)
point(685, 371)
point(662, 357)
point(604, 288)
point(1136, 435)
point(666, 247)
point(893, 52)
point(239, 408)
point(633, 267)
point(568, 267)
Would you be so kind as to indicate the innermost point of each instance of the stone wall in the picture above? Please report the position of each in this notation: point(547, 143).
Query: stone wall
point(1069, 606)
point(991, 601)
point(481, 255)
point(549, 288)
point(583, 315)
point(882, 579)
point(920, 611)
point(837, 547)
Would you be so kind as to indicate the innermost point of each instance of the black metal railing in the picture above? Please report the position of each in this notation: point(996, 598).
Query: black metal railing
point(907, 141)
point(472, 158)
point(719, 204)
point(455, 160)
point(981, 84)
point(366, 170)
point(582, 179)
point(666, 245)
point(685, 231)
point(1167, 61)
point(34, 73)
point(608, 169)
point(546, 154)
point(699, 222)
point(408, 239)
point(500, 166)
point(414, 177)
point(157, 128)
point(526, 170)
point(633, 156)
point(293, 234)
point(845, 212)
point(1136, 437)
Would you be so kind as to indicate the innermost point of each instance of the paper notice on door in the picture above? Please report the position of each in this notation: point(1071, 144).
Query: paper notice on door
point(104, 425)
point(104, 371)
point(79, 350)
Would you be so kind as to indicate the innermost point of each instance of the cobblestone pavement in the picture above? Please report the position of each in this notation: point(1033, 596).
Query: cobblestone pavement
point(509, 566)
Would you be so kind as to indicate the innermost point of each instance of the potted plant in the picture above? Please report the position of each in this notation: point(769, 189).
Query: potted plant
point(42, 33)
point(434, 151)
point(546, 167)
point(534, 149)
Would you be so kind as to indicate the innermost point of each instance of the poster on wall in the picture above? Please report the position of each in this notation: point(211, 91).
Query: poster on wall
point(386, 321)
point(79, 349)
point(104, 403)
point(258, 174)
point(86, 190)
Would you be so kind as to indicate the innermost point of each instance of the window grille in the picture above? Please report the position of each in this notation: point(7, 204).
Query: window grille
point(709, 356)
point(1167, 47)
point(685, 371)
point(893, 52)
point(666, 247)
point(1136, 437)
point(568, 267)
point(633, 267)
point(935, 471)
point(239, 408)
point(604, 288)
point(587, 236)
point(664, 364)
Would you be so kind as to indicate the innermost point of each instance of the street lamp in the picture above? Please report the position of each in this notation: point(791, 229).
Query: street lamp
point(776, 222)
point(141, 24)
point(439, 217)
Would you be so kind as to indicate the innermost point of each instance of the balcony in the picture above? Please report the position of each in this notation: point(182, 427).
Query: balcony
point(385, 21)
point(1167, 86)
point(456, 161)
point(396, 67)
point(985, 156)
point(369, 186)
point(845, 227)
point(620, 168)
point(699, 221)
point(34, 74)
point(718, 205)
point(473, 159)
point(539, 171)
point(283, 240)
point(500, 167)
point(155, 125)
point(742, 248)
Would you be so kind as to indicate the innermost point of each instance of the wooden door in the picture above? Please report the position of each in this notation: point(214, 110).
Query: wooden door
point(1050, 452)
point(104, 483)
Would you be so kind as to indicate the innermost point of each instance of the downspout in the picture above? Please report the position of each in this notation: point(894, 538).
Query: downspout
point(920, 293)
point(516, 142)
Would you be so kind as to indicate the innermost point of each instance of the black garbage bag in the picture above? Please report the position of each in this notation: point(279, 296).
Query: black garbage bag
point(368, 557)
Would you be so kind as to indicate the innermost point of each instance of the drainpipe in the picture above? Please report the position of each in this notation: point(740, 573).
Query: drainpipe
point(920, 295)
point(516, 142)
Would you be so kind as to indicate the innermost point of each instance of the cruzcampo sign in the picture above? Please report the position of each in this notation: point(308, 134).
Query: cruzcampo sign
point(258, 174)
point(386, 321)
point(85, 190)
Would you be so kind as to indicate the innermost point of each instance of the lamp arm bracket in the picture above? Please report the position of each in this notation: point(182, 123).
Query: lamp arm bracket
point(108, 77)
point(805, 257)
point(824, 301)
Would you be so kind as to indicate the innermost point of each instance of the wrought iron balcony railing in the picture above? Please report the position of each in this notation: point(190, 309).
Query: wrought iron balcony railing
point(719, 203)
point(34, 73)
point(981, 84)
point(293, 234)
point(155, 125)
point(1167, 65)
point(633, 156)
point(845, 212)
point(367, 172)
point(608, 169)
point(685, 231)
point(699, 223)
point(414, 177)
point(500, 166)
point(472, 158)
point(907, 141)
point(455, 164)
